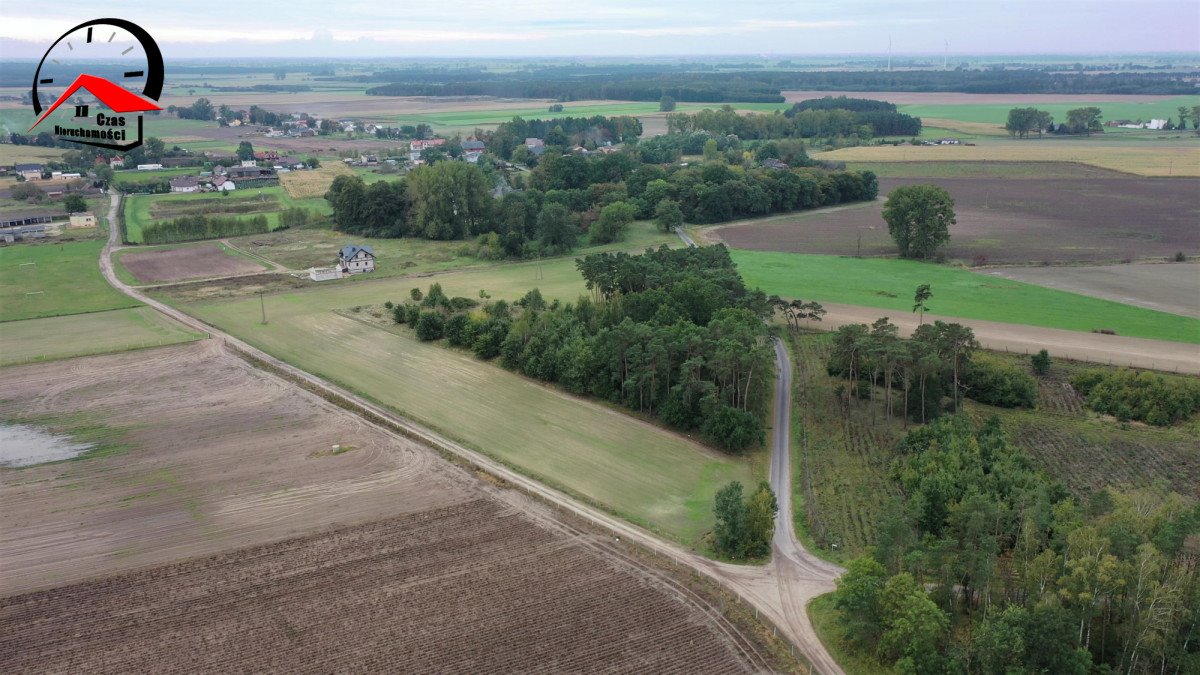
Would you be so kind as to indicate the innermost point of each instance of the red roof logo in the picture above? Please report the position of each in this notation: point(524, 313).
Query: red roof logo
point(115, 97)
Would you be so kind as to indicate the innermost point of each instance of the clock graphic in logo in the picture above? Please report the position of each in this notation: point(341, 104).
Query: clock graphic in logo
point(114, 61)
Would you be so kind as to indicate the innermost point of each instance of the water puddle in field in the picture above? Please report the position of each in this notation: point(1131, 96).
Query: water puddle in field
point(24, 445)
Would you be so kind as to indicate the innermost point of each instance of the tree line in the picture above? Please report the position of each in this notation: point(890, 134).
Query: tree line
point(672, 334)
point(570, 196)
point(191, 228)
point(795, 123)
point(652, 82)
point(987, 565)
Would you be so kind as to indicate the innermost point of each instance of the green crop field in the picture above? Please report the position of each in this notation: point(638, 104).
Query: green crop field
point(998, 113)
point(638, 471)
point(140, 209)
point(54, 279)
point(467, 119)
point(889, 283)
point(61, 337)
point(132, 175)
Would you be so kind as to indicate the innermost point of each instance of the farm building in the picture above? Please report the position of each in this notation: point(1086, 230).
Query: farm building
point(20, 218)
point(83, 219)
point(19, 232)
point(29, 171)
point(473, 145)
point(325, 273)
point(185, 184)
point(354, 259)
point(149, 167)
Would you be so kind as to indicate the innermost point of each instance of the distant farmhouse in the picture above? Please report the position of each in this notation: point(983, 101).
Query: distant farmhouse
point(354, 259)
point(29, 171)
point(185, 184)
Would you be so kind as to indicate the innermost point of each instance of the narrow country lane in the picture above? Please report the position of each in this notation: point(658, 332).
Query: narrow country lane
point(780, 590)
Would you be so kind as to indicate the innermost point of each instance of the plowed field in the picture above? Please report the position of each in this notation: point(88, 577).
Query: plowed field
point(471, 588)
point(1008, 221)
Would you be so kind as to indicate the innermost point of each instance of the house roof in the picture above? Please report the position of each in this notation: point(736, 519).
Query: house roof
point(29, 167)
point(185, 181)
point(473, 145)
point(350, 250)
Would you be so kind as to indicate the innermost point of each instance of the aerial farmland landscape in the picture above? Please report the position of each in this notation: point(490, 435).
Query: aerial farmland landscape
point(683, 338)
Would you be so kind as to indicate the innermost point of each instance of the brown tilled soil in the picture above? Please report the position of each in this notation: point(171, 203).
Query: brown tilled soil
point(474, 587)
point(191, 262)
point(1010, 220)
point(216, 456)
point(224, 534)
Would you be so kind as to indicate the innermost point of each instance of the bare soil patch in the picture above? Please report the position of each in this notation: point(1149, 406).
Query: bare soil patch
point(949, 97)
point(471, 588)
point(1009, 220)
point(1171, 288)
point(218, 455)
point(190, 262)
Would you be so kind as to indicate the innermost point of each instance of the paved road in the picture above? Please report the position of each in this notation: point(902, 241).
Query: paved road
point(685, 238)
point(780, 590)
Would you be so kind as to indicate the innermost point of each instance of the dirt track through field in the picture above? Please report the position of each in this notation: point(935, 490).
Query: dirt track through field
point(1067, 344)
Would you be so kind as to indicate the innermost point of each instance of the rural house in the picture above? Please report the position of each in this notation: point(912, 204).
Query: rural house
point(185, 184)
point(83, 219)
point(29, 171)
point(473, 145)
point(355, 259)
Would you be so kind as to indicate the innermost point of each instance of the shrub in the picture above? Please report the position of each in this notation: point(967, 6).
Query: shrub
point(388, 305)
point(430, 326)
point(733, 428)
point(400, 314)
point(460, 330)
point(411, 314)
point(996, 383)
point(1139, 395)
point(1040, 362)
point(1180, 256)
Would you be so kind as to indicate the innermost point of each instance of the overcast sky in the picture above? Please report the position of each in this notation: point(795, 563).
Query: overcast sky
point(621, 27)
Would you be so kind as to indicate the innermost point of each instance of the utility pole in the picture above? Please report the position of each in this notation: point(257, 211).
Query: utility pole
point(263, 304)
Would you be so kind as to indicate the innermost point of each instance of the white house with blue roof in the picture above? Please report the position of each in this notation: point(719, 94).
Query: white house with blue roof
point(354, 259)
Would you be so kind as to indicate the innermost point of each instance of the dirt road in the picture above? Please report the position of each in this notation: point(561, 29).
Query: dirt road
point(1067, 344)
point(780, 591)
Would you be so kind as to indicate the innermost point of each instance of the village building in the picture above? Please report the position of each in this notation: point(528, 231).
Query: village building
point(116, 162)
point(473, 145)
point(185, 184)
point(149, 167)
point(83, 219)
point(354, 259)
point(29, 171)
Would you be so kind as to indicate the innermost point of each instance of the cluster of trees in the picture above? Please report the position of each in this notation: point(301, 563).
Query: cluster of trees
point(919, 219)
point(928, 367)
point(405, 132)
point(1021, 121)
point(561, 132)
point(1148, 397)
point(881, 116)
point(716, 192)
point(987, 565)
point(191, 228)
point(1081, 121)
point(570, 195)
point(744, 524)
point(201, 109)
point(796, 123)
point(671, 333)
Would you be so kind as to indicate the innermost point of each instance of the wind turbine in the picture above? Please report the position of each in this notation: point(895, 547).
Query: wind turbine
point(946, 57)
point(889, 52)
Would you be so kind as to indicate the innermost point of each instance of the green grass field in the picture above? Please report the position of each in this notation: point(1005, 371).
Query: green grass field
point(65, 279)
point(633, 469)
point(306, 247)
point(61, 337)
point(1111, 110)
point(132, 175)
point(139, 208)
point(889, 283)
